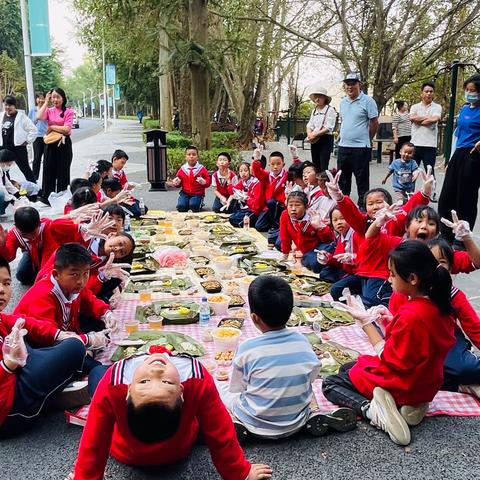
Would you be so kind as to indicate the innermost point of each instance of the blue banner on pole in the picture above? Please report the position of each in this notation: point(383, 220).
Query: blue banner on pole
point(39, 28)
point(110, 102)
point(92, 105)
point(116, 92)
point(110, 74)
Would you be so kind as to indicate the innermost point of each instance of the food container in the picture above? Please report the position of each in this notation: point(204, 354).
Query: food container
point(155, 322)
point(145, 296)
point(201, 251)
point(237, 312)
point(131, 326)
point(202, 235)
point(219, 303)
point(225, 339)
point(222, 262)
point(245, 282)
point(209, 364)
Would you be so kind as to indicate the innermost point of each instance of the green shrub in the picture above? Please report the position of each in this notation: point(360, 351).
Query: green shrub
point(177, 140)
point(224, 139)
point(149, 123)
point(208, 158)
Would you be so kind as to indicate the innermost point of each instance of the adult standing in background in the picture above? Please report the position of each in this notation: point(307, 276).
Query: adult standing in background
point(402, 126)
point(17, 131)
point(359, 117)
point(42, 126)
point(462, 177)
point(320, 128)
point(58, 155)
point(425, 117)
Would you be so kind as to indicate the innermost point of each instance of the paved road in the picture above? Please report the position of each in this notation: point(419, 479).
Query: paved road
point(88, 127)
point(442, 447)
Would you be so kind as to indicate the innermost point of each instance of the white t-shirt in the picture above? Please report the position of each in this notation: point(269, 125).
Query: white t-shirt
point(425, 135)
point(326, 117)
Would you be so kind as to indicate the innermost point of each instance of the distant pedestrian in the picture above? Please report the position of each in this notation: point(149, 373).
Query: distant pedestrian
point(58, 154)
point(402, 126)
point(359, 117)
point(320, 128)
point(42, 126)
point(176, 119)
point(140, 116)
point(425, 117)
point(17, 131)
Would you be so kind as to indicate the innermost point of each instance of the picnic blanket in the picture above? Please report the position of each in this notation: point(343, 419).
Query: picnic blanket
point(445, 403)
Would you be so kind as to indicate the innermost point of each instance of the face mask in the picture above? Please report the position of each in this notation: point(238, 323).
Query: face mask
point(471, 97)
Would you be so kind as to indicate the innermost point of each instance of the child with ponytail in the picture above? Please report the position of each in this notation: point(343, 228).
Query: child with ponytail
point(391, 388)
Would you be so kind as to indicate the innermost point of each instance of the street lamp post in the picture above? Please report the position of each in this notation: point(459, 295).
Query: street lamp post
point(27, 55)
point(91, 103)
point(83, 105)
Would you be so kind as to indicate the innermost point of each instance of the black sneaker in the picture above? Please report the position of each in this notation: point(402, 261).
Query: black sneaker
point(340, 420)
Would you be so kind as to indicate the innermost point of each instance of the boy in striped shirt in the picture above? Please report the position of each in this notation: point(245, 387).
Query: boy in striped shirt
point(270, 390)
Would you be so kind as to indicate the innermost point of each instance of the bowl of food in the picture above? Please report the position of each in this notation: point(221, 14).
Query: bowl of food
point(245, 282)
point(202, 234)
point(219, 303)
point(237, 312)
point(201, 251)
point(225, 339)
point(222, 262)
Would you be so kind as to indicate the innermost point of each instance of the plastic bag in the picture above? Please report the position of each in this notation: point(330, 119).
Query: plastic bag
point(170, 257)
point(59, 200)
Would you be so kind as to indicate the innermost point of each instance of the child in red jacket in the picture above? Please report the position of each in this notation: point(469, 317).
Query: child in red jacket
point(193, 178)
point(223, 180)
point(296, 227)
point(149, 409)
point(119, 160)
point(28, 376)
point(249, 194)
point(62, 296)
point(273, 184)
point(390, 389)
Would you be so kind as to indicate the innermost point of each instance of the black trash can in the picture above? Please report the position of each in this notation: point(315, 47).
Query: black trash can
point(157, 159)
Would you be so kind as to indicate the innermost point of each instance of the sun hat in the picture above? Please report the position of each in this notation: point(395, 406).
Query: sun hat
point(318, 89)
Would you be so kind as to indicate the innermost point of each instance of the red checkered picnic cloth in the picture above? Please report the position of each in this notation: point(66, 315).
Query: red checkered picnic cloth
point(445, 403)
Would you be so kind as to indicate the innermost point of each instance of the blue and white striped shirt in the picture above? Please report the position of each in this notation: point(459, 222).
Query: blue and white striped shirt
point(273, 374)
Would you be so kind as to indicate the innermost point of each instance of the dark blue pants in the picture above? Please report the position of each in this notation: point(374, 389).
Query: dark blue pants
point(134, 209)
point(217, 205)
point(374, 291)
point(189, 202)
point(236, 219)
point(94, 377)
point(309, 259)
point(270, 218)
point(427, 155)
point(461, 366)
point(47, 371)
point(331, 274)
point(25, 271)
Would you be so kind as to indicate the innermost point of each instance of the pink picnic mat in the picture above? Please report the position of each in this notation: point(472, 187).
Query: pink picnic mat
point(445, 403)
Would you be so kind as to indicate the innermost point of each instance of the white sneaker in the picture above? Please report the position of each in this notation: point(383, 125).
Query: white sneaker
point(385, 416)
point(74, 395)
point(471, 389)
point(414, 414)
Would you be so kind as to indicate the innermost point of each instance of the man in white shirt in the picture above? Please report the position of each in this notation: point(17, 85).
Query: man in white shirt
point(425, 117)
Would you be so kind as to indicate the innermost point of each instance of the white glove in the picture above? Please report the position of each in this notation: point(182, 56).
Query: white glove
point(347, 258)
point(293, 151)
point(113, 270)
point(461, 228)
point(382, 315)
point(176, 182)
point(85, 213)
point(100, 221)
point(428, 186)
point(98, 340)
point(355, 307)
point(115, 298)
point(240, 195)
point(124, 197)
point(333, 187)
point(258, 152)
point(201, 180)
point(386, 214)
point(14, 350)
point(316, 221)
point(111, 321)
point(322, 257)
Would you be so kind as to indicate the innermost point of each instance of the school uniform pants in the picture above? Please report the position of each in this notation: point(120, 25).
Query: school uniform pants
point(236, 219)
point(460, 189)
point(270, 218)
point(189, 202)
point(309, 259)
point(133, 210)
point(26, 272)
point(38, 149)
point(321, 152)
point(21, 159)
point(340, 390)
point(374, 291)
point(356, 161)
point(217, 205)
point(47, 372)
point(56, 167)
point(3, 203)
point(461, 367)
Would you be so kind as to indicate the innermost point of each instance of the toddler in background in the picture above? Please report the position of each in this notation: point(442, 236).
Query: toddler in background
point(405, 171)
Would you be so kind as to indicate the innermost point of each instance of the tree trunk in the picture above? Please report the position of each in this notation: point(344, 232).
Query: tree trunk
point(198, 28)
point(163, 81)
point(184, 97)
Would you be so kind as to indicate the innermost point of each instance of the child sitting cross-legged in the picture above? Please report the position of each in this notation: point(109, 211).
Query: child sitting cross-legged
point(390, 389)
point(307, 232)
point(223, 181)
point(29, 376)
point(149, 410)
point(270, 391)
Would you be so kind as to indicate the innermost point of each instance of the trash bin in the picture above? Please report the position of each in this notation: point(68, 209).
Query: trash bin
point(157, 159)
